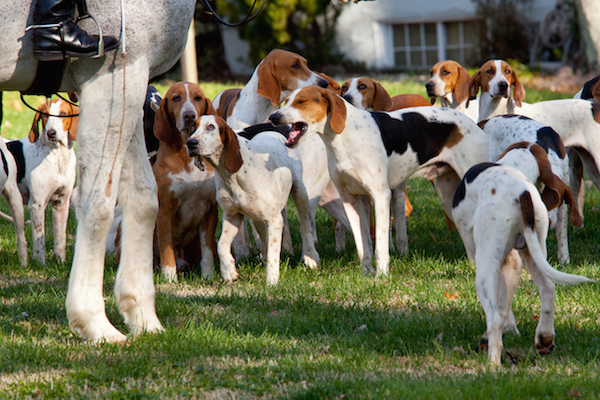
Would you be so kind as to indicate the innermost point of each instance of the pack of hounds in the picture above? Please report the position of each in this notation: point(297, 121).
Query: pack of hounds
point(505, 172)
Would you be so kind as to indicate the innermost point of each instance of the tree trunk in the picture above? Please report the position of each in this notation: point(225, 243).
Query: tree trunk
point(588, 12)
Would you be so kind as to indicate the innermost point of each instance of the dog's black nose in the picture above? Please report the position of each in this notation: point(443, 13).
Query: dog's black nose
point(503, 87)
point(429, 85)
point(275, 118)
point(323, 83)
point(51, 133)
point(348, 98)
point(189, 117)
point(192, 143)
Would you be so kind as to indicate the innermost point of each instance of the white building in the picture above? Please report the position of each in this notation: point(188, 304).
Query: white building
point(400, 34)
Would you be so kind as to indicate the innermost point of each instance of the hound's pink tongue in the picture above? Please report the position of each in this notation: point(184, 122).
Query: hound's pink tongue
point(293, 136)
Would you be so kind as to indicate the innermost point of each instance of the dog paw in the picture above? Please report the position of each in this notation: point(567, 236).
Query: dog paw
point(170, 274)
point(545, 344)
point(311, 262)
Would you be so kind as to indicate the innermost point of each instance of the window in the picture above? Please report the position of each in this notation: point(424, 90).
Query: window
point(419, 46)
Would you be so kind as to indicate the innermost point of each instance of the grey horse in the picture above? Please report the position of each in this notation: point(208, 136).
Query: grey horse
point(112, 160)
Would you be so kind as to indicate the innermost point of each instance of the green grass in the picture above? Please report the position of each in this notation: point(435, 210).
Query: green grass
point(328, 333)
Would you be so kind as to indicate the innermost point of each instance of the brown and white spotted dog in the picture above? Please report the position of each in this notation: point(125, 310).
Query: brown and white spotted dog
point(503, 222)
point(450, 82)
point(274, 78)
point(46, 166)
point(577, 122)
point(371, 153)
point(590, 91)
point(187, 214)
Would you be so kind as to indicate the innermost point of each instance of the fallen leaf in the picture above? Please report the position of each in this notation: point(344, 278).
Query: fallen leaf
point(450, 296)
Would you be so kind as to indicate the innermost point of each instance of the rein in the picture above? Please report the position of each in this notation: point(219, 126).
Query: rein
point(248, 18)
point(47, 101)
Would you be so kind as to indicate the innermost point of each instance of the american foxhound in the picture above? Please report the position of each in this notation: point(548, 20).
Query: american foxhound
point(46, 166)
point(187, 212)
point(577, 122)
point(371, 152)
point(590, 91)
point(502, 131)
point(254, 178)
point(450, 82)
point(503, 222)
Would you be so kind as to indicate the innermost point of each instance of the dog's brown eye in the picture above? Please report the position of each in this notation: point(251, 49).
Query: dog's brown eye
point(176, 99)
point(362, 86)
point(198, 98)
point(344, 89)
point(507, 72)
point(210, 127)
point(444, 72)
point(431, 73)
point(296, 66)
point(490, 71)
point(63, 113)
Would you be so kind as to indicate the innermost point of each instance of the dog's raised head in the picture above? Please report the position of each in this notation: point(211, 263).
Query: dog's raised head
point(555, 191)
point(308, 110)
point(366, 94)
point(179, 113)
point(215, 142)
point(59, 120)
point(283, 71)
point(496, 78)
point(446, 78)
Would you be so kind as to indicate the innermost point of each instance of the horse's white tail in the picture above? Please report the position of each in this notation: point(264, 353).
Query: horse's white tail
point(535, 250)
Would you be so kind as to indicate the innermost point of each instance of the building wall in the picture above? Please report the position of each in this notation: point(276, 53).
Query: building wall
point(364, 32)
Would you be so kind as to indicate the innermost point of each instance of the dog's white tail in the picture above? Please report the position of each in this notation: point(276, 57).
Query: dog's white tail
point(533, 245)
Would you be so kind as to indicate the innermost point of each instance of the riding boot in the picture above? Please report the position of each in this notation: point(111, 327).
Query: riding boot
point(56, 35)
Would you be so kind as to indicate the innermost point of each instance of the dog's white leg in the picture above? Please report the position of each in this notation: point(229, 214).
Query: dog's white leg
point(382, 230)
point(37, 213)
point(510, 275)
point(544, 332)
point(358, 217)
point(309, 252)
point(15, 205)
point(99, 137)
point(208, 244)
point(138, 200)
point(399, 213)
point(231, 226)
point(60, 217)
point(274, 234)
point(562, 238)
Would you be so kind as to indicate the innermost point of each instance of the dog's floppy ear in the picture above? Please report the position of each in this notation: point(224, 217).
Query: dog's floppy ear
point(163, 126)
point(333, 85)
point(519, 92)
point(551, 195)
point(382, 100)
point(233, 157)
point(462, 88)
point(268, 86)
point(34, 133)
point(337, 110)
point(74, 123)
point(474, 85)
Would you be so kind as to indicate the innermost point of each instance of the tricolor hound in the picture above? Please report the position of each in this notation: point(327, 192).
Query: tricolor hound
point(590, 90)
point(577, 122)
point(371, 152)
point(187, 212)
point(496, 209)
point(450, 82)
point(46, 166)
point(254, 178)
point(502, 131)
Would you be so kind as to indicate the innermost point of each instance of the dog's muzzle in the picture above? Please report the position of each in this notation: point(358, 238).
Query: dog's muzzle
point(192, 145)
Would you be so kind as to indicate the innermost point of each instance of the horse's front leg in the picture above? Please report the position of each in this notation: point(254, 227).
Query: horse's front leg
point(134, 286)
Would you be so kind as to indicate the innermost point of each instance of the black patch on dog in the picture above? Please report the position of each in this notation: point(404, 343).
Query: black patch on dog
point(586, 94)
point(469, 177)
point(426, 138)
point(548, 139)
point(254, 130)
point(4, 163)
point(527, 210)
point(16, 148)
point(152, 95)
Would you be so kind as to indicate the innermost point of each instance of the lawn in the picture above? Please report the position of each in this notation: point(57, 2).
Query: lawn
point(331, 333)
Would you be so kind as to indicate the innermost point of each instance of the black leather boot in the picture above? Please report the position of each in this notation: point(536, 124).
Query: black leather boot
point(56, 35)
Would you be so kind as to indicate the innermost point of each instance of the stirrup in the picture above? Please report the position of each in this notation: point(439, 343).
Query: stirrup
point(100, 36)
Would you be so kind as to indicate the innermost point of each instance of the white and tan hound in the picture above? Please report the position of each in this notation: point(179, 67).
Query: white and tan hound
point(372, 152)
point(274, 78)
point(187, 212)
point(503, 131)
point(46, 165)
point(590, 91)
point(503, 222)
point(254, 178)
point(450, 82)
point(577, 122)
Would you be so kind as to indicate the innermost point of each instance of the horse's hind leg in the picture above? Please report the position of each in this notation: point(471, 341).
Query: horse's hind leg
point(134, 286)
